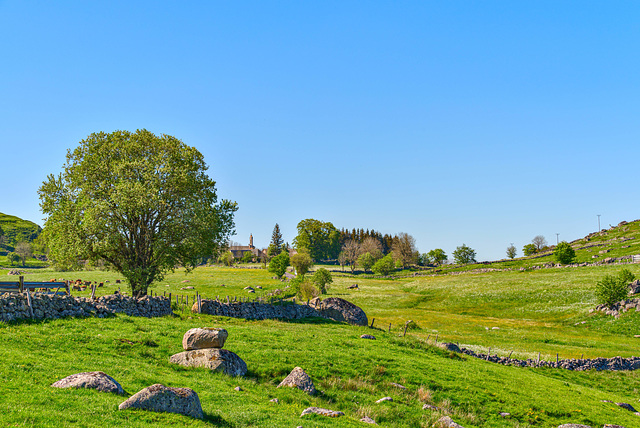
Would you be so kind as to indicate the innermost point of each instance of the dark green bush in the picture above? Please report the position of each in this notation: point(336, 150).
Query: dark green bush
point(564, 253)
point(612, 289)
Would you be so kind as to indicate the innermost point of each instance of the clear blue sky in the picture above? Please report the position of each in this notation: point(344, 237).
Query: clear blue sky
point(477, 122)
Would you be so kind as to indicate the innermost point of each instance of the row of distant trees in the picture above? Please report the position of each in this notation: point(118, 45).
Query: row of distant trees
point(538, 245)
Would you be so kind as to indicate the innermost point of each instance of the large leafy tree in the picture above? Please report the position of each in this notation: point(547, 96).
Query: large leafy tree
point(437, 256)
point(320, 239)
point(464, 254)
point(142, 203)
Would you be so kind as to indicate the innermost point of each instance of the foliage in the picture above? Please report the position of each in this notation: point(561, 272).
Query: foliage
point(247, 257)
point(301, 263)
point(13, 258)
point(16, 229)
point(276, 240)
point(612, 289)
point(384, 266)
point(372, 246)
point(366, 261)
point(350, 252)
point(511, 251)
point(529, 250)
point(322, 278)
point(464, 254)
point(24, 251)
point(404, 249)
point(226, 258)
point(319, 239)
point(437, 256)
point(278, 264)
point(141, 202)
point(564, 253)
point(342, 259)
point(539, 242)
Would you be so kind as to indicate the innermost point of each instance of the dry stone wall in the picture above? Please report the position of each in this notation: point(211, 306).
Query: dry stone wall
point(257, 310)
point(15, 306)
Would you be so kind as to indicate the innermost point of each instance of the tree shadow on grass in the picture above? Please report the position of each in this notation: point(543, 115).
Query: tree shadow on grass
point(217, 420)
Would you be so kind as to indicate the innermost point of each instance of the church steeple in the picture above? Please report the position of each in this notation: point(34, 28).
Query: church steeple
point(251, 240)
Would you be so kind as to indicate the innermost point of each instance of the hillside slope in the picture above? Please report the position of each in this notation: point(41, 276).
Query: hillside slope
point(16, 229)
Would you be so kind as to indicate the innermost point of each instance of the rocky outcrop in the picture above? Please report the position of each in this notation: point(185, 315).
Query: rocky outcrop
point(339, 309)
point(90, 380)
point(203, 338)
point(298, 378)
point(447, 422)
point(159, 398)
point(15, 306)
point(217, 360)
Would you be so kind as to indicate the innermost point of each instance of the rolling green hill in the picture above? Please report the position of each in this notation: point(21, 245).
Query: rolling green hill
point(16, 229)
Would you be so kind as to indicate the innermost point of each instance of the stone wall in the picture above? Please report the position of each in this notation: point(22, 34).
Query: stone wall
point(15, 306)
point(257, 310)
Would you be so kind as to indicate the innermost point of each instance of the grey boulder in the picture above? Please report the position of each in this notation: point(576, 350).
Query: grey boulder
point(160, 398)
point(447, 422)
point(90, 380)
point(573, 426)
point(204, 338)
point(321, 412)
point(339, 309)
point(217, 360)
point(298, 378)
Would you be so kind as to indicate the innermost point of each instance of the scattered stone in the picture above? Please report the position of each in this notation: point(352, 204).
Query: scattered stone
point(384, 399)
point(159, 398)
point(204, 338)
point(495, 328)
point(368, 420)
point(185, 281)
point(321, 412)
point(274, 400)
point(447, 422)
point(573, 426)
point(397, 385)
point(627, 406)
point(217, 360)
point(259, 287)
point(341, 310)
point(504, 414)
point(191, 287)
point(353, 287)
point(14, 272)
point(299, 379)
point(367, 336)
point(90, 380)
point(606, 401)
point(251, 291)
point(612, 426)
point(430, 407)
point(248, 288)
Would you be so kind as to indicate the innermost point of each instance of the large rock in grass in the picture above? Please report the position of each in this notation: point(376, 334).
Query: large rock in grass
point(298, 378)
point(90, 380)
point(204, 338)
point(217, 360)
point(160, 398)
point(573, 426)
point(339, 309)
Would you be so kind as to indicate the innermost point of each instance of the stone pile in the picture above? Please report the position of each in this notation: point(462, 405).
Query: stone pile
point(331, 308)
point(203, 348)
point(617, 308)
point(15, 306)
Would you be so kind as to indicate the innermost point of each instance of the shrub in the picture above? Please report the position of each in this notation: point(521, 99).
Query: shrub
point(626, 275)
point(301, 262)
point(321, 278)
point(384, 266)
point(247, 257)
point(366, 260)
point(464, 255)
point(304, 289)
point(278, 264)
point(611, 289)
point(529, 250)
point(564, 253)
point(226, 258)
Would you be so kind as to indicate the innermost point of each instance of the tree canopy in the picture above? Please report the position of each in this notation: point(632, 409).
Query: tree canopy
point(319, 239)
point(140, 202)
point(464, 254)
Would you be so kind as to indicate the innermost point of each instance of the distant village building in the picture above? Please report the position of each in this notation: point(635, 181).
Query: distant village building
point(238, 251)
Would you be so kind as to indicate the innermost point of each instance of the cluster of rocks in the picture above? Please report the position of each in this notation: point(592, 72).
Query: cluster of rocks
point(617, 308)
point(16, 306)
point(203, 348)
point(156, 398)
point(576, 364)
point(331, 308)
point(14, 272)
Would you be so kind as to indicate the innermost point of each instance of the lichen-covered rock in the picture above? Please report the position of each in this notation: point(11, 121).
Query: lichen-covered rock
point(217, 360)
point(447, 422)
point(321, 412)
point(90, 380)
point(204, 338)
point(339, 309)
point(299, 379)
point(368, 420)
point(368, 336)
point(160, 398)
point(449, 347)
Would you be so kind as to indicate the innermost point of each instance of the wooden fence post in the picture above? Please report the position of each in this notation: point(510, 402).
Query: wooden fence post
point(199, 304)
point(488, 353)
point(405, 328)
point(93, 291)
point(21, 283)
point(29, 303)
point(372, 321)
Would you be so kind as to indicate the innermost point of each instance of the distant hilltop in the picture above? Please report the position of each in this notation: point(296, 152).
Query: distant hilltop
point(16, 229)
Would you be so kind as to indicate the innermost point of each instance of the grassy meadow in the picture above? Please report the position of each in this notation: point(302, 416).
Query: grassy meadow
point(535, 311)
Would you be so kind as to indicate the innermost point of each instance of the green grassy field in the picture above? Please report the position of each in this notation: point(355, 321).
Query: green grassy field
point(535, 311)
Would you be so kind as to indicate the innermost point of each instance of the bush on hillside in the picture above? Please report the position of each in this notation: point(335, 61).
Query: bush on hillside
point(529, 250)
point(612, 289)
point(278, 264)
point(321, 278)
point(385, 265)
point(564, 253)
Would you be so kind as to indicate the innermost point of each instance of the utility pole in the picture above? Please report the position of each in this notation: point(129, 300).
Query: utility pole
point(598, 223)
point(557, 234)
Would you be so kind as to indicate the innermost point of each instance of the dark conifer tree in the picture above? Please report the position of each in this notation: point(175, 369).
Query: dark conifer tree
point(276, 239)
